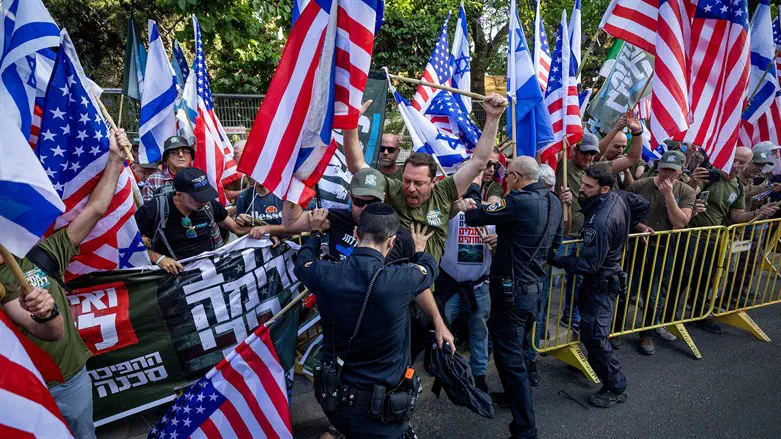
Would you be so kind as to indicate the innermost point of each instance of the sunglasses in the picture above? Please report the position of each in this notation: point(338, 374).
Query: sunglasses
point(358, 202)
point(388, 149)
point(188, 224)
point(495, 165)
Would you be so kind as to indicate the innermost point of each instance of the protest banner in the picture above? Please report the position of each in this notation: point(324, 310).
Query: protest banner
point(151, 332)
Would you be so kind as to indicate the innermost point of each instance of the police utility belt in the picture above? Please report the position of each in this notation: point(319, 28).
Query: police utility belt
point(617, 282)
point(390, 406)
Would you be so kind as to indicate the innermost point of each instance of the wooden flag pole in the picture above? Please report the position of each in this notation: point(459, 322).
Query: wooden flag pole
point(565, 215)
point(589, 49)
point(121, 104)
point(645, 87)
point(10, 260)
point(514, 152)
point(113, 126)
point(759, 84)
point(439, 165)
point(287, 308)
point(474, 96)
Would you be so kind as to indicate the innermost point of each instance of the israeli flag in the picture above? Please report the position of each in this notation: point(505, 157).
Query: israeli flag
point(446, 147)
point(158, 121)
point(575, 37)
point(460, 62)
point(763, 79)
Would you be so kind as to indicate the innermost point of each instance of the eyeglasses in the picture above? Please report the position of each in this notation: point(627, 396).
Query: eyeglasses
point(187, 223)
point(358, 202)
point(517, 174)
point(388, 149)
point(179, 151)
point(495, 165)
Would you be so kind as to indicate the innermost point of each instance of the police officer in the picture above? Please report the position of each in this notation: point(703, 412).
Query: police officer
point(608, 217)
point(528, 223)
point(364, 383)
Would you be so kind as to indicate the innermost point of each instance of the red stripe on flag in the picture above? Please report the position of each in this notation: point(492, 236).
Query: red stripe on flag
point(237, 381)
point(278, 399)
point(234, 418)
point(20, 381)
point(9, 432)
point(210, 430)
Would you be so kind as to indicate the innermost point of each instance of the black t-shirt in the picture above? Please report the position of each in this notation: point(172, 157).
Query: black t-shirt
point(267, 209)
point(175, 233)
point(341, 242)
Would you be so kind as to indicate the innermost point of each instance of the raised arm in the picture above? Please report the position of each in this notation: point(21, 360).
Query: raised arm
point(494, 107)
point(635, 149)
point(101, 196)
point(605, 142)
point(352, 147)
point(295, 220)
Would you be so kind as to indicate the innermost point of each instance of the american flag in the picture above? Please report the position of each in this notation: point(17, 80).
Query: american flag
point(73, 150)
point(561, 98)
point(243, 396)
point(633, 21)
point(29, 409)
point(669, 101)
point(437, 104)
point(542, 58)
point(290, 144)
point(213, 152)
point(719, 77)
point(44, 62)
point(768, 126)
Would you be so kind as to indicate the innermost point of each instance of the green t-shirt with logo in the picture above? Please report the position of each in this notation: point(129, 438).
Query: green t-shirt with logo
point(70, 353)
point(492, 189)
point(724, 195)
point(395, 175)
point(657, 218)
point(435, 212)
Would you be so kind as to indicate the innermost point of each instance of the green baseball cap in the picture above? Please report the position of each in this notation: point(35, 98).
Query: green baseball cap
point(672, 159)
point(368, 182)
point(761, 158)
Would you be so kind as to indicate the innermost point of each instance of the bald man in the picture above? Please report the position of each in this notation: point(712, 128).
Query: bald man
point(389, 150)
point(612, 146)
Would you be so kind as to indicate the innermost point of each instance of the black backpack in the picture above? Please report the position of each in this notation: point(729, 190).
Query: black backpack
point(161, 198)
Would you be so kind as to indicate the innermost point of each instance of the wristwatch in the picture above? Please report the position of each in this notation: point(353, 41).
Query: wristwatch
point(54, 314)
point(642, 129)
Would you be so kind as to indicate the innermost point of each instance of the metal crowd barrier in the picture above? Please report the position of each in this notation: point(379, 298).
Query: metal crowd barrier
point(673, 276)
point(753, 274)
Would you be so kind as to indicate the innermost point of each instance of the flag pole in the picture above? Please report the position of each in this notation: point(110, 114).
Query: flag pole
point(121, 103)
point(112, 125)
point(514, 152)
point(640, 97)
point(759, 84)
point(10, 260)
point(564, 215)
point(287, 308)
point(475, 96)
point(439, 165)
point(589, 49)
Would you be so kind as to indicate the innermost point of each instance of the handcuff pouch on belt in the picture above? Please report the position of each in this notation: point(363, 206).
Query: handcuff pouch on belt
point(617, 283)
point(389, 407)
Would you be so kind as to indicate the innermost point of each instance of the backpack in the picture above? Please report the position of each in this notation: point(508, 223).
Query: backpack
point(161, 198)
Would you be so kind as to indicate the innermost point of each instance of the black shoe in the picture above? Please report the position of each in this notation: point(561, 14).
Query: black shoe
point(535, 379)
point(607, 398)
point(708, 325)
point(500, 399)
point(480, 383)
point(616, 343)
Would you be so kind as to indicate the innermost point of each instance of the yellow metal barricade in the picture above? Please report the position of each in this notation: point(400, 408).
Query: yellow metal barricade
point(753, 263)
point(673, 276)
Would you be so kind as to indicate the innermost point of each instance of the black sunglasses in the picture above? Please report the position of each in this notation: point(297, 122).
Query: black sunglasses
point(358, 202)
point(495, 165)
point(388, 149)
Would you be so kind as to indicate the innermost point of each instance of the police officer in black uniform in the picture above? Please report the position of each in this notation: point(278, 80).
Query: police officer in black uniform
point(609, 215)
point(364, 383)
point(528, 222)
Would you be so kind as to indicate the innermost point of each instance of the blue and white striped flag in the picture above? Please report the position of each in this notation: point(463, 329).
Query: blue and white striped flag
point(460, 62)
point(446, 147)
point(763, 54)
point(28, 202)
point(575, 37)
point(157, 121)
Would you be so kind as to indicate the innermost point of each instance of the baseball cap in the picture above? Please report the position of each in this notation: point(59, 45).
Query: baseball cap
point(761, 158)
point(589, 143)
point(368, 182)
point(766, 147)
point(193, 182)
point(672, 159)
point(153, 165)
point(176, 142)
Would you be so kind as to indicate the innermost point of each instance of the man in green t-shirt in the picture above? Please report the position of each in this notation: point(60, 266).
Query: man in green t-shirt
point(74, 395)
point(386, 160)
point(720, 203)
point(490, 189)
point(671, 204)
point(417, 198)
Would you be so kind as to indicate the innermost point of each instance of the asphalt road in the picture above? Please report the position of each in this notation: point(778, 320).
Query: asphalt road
point(733, 392)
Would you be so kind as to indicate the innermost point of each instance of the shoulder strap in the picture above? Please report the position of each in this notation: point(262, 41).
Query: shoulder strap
point(543, 238)
point(43, 260)
point(360, 316)
point(162, 220)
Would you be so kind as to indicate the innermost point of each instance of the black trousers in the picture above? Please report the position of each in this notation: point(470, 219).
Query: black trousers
point(356, 424)
point(509, 327)
point(596, 317)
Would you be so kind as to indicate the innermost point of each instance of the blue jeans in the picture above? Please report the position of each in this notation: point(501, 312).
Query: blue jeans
point(571, 279)
point(477, 321)
point(509, 326)
point(74, 399)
